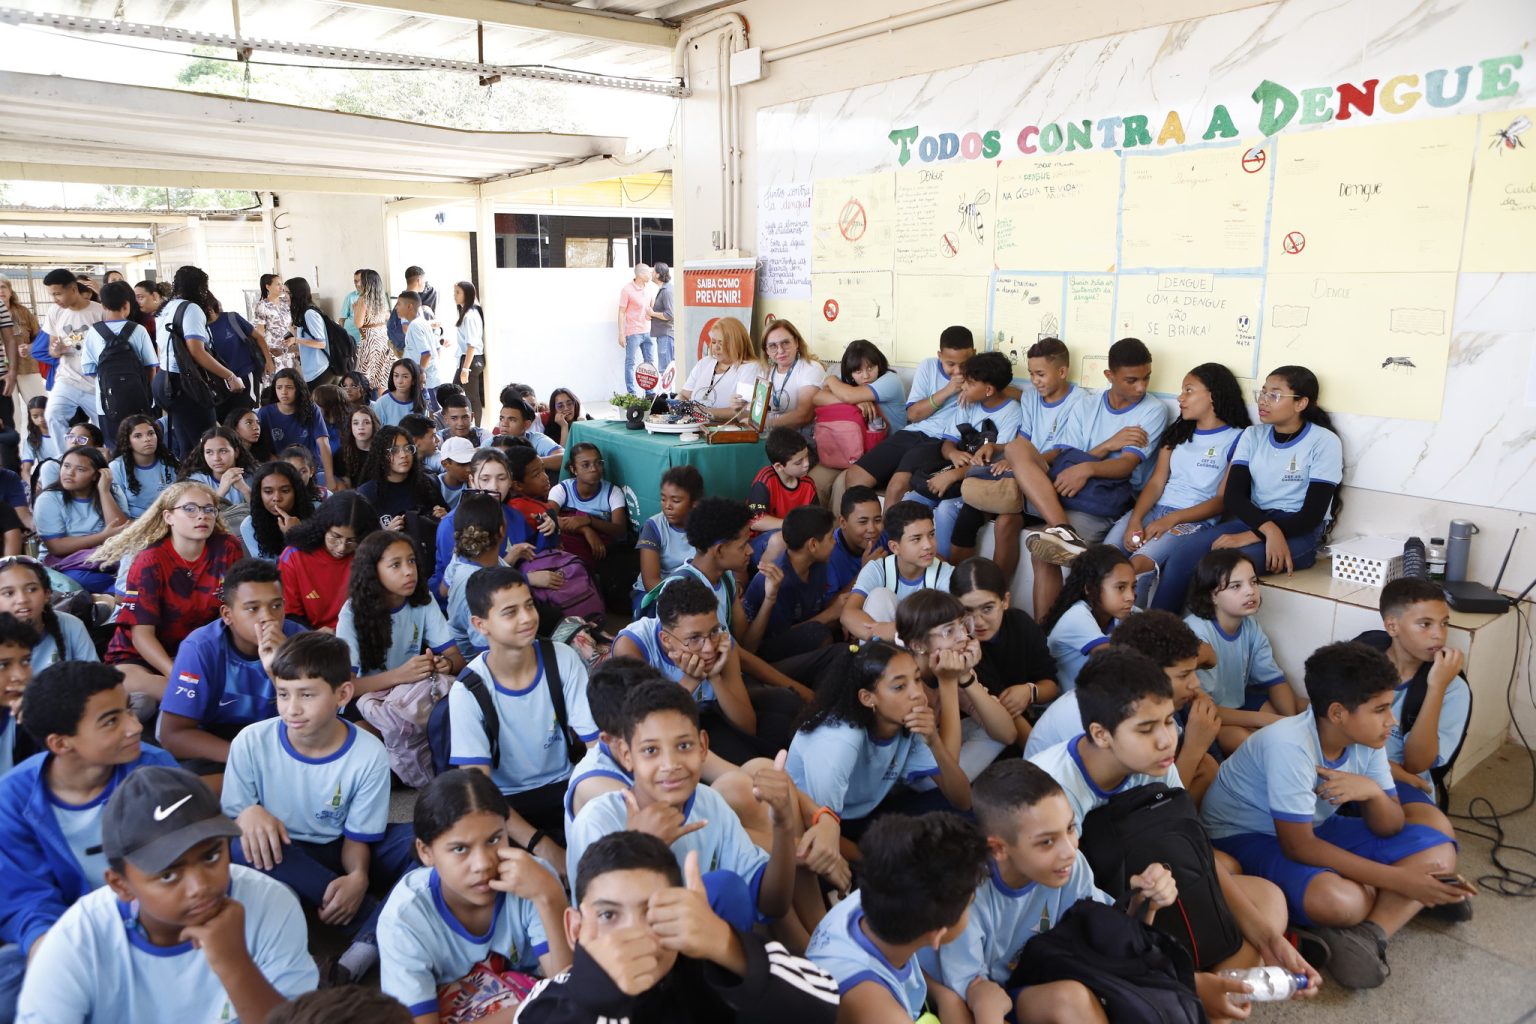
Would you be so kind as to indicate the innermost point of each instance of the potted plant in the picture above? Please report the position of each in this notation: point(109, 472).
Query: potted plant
point(636, 408)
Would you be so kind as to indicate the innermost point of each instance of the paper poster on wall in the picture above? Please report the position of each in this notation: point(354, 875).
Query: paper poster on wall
point(800, 312)
point(1057, 213)
point(1187, 319)
point(1024, 309)
point(926, 304)
point(784, 241)
point(1195, 208)
point(1501, 211)
point(851, 223)
point(945, 217)
point(1090, 316)
point(845, 307)
point(1377, 342)
point(1389, 197)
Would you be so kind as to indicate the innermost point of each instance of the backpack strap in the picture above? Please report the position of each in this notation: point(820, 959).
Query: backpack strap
point(491, 720)
point(556, 693)
point(107, 336)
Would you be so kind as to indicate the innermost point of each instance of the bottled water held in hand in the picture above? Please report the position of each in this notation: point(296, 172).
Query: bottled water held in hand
point(1269, 984)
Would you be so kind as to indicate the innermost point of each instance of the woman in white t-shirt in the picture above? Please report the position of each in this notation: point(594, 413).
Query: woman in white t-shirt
point(730, 363)
point(793, 376)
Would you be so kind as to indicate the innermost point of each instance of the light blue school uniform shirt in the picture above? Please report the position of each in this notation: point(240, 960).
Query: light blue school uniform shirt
point(412, 627)
point(45, 449)
point(725, 592)
point(599, 761)
point(722, 844)
point(1004, 413)
point(669, 542)
point(1093, 423)
point(646, 635)
point(152, 479)
point(602, 505)
point(451, 494)
point(1002, 920)
point(1042, 422)
point(93, 345)
point(252, 546)
point(80, 824)
point(1242, 660)
point(1064, 764)
point(96, 965)
point(840, 947)
point(456, 581)
point(1196, 467)
point(318, 799)
point(193, 325)
point(7, 742)
point(930, 377)
point(421, 340)
point(532, 747)
point(883, 572)
point(1061, 720)
point(891, 399)
point(390, 410)
point(1273, 776)
point(841, 766)
point(78, 645)
point(1282, 472)
point(313, 361)
point(1072, 639)
point(543, 444)
point(1455, 707)
point(423, 946)
point(56, 514)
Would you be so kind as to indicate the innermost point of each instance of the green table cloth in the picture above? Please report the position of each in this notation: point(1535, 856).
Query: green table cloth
point(637, 458)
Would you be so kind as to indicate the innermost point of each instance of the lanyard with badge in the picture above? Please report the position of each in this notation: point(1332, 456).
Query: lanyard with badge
point(778, 401)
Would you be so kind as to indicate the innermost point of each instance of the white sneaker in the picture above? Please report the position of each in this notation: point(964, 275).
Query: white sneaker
point(1058, 545)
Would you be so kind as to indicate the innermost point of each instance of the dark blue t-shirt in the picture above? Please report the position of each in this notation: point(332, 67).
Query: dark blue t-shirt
point(798, 599)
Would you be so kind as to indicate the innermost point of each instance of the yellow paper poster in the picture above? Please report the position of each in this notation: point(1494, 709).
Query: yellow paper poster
point(1187, 319)
point(800, 312)
point(926, 304)
point(1501, 213)
point(1090, 322)
point(1025, 308)
point(1196, 208)
point(851, 223)
point(945, 217)
point(1057, 213)
point(1377, 342)
point(1383, 198)
point(845, 307)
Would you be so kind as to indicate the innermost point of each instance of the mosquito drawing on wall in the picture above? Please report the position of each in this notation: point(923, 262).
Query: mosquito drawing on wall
point(1398, 363)
point(1509, 137)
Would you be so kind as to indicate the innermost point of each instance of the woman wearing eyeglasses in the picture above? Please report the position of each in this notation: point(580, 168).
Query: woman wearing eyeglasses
point(394, 483)
point(317, 563)
point(1282, 490)
point(177, 554)
point(794, 376)
point(76, 515)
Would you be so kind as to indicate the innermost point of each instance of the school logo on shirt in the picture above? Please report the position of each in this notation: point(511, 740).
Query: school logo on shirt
point(277, 433)
point(1291, 472)
point(1210, 452)
point(333, 812)
point(1044, 924)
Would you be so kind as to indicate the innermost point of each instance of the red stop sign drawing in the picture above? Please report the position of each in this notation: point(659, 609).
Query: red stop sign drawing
point(829, 310)
point(1294, 242)
point(852, 221)
point(1254, 160)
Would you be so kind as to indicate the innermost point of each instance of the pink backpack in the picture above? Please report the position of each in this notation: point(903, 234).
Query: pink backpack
point(842, 435)
point(579, 595)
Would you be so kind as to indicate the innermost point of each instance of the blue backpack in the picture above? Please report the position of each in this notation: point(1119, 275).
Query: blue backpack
point(1099, 496)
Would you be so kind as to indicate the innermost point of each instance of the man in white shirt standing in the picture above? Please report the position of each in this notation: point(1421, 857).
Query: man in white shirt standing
point(72, 315)
point(635, 325)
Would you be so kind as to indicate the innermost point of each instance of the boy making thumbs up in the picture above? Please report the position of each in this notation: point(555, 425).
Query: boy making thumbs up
point(648, 948)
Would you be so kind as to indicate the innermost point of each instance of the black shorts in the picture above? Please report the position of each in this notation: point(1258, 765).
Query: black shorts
point(905, 451)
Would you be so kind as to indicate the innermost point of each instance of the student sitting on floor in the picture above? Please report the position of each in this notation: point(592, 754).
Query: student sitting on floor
point(803, 608)
point(77, 514)
point(592, 513)
point(650, 949)
point(332, 854)
point(479, 532)
point(1099, 593)
point(455, 455)
point(470, 927)
point(1354, 881)
point(663, 543)
point(404, 396)
point(1433, 700)
point(144, 465)
point(26, 593)
point(208, 939)
point(220, 461)
point(280, 504)
point(912, 565)
point(860, 537)
point(1238, 668)
point(975, 433)
point(292, 417)
point(317, 563)
point(779, 487)
point(1016, 665)
point(916, 882)
point(219, 682)
point(517, 420)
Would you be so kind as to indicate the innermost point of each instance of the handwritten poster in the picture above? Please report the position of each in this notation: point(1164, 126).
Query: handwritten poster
point(852, 226)
point(945, 217)
point(1089, 322)
point(1186, 319)
point(845, 307)
point(784, 241)
point(1057, 213)
point(1501, 212)
point(1385, 198)
point(928, 303)
point(1398, 333)
point(1196, 208)
point(1025, 308)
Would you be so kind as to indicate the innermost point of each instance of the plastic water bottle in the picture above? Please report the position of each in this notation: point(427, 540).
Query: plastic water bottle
point(1270, 985)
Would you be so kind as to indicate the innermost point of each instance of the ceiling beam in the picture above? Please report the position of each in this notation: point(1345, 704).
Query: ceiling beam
point(595, 169)
point(540, 17)
point(116, 218)
point(172, 178)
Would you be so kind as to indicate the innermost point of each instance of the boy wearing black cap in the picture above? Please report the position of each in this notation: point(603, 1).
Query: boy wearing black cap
point(178, 934)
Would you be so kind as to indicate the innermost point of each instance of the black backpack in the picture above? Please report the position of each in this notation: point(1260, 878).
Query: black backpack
point(1139, 974)
point(339, 346)
point(1154, 824)
point(439, 727)
point(190, 381)
point(123, 379)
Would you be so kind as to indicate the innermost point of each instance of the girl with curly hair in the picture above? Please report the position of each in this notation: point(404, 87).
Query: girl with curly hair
point(144, 466)
point(76, 515)
point(279, 503)
point(1099, 592)
point(294, 418)
point(393, 481)
point(247, 427)
point(317, 564)
point(220, 461)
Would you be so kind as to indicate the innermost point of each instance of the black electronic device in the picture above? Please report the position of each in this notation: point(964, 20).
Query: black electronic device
point(1477, 599)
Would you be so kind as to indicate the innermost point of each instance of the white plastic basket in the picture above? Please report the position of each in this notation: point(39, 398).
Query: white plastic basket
point(1373, 561)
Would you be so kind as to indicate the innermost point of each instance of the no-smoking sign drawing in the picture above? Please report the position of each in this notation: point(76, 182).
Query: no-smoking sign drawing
point(852, 221)
point(1294, 242)
point(829, 310)
point(1254, 161)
